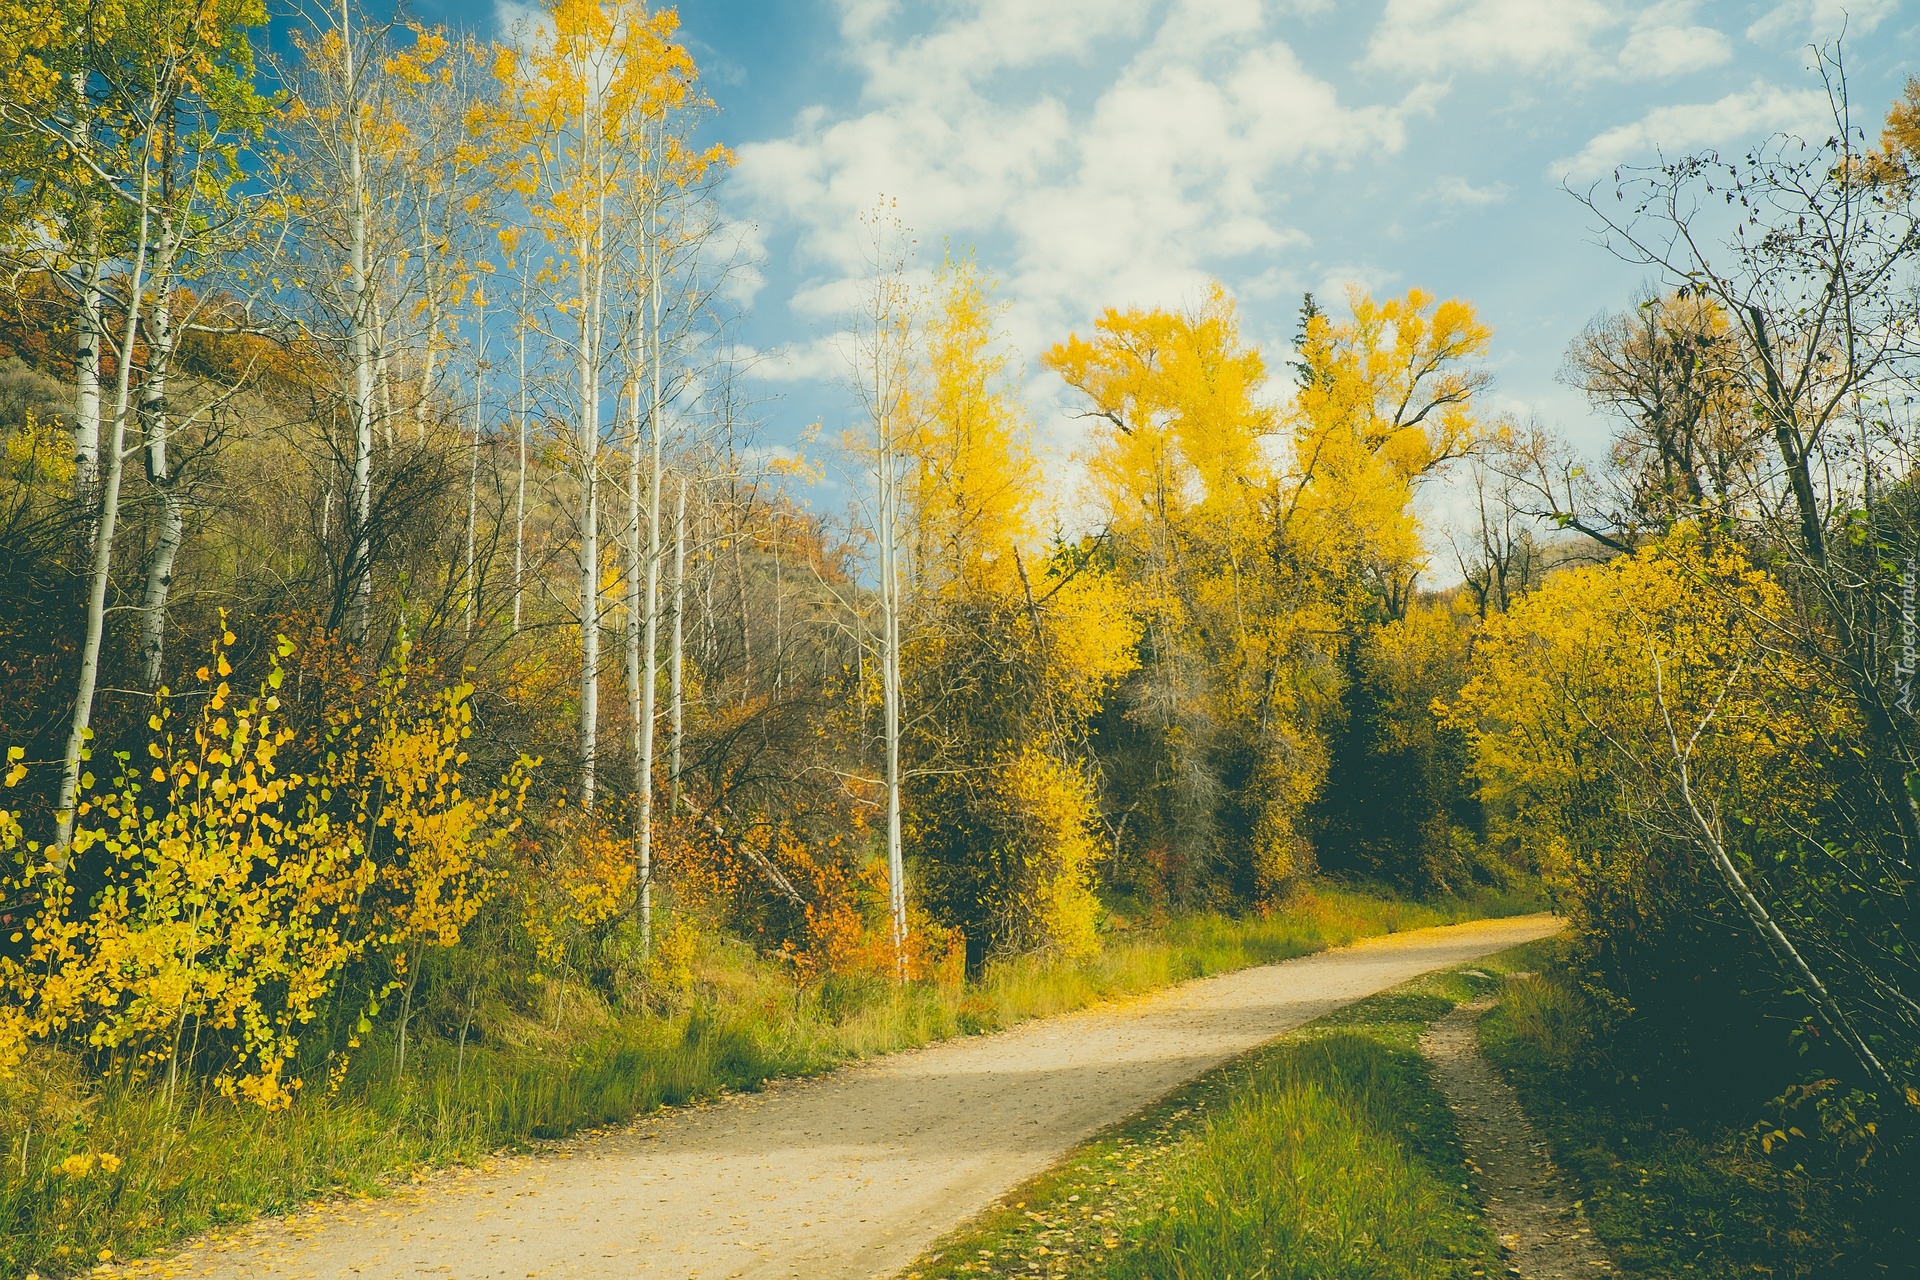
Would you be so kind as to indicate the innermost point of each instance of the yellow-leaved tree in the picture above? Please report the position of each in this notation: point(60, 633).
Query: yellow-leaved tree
point(1384, 400)
point(1011, 650)
point(1642, 732)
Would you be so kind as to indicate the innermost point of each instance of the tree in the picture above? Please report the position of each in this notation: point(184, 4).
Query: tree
point(174, 83)
point(883, 371)
point(579, 101)
point(1807, 249)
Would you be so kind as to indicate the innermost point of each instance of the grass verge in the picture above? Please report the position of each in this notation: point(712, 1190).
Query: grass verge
point(1327, 1155)
point(90, 1171)
point(1690, 1197)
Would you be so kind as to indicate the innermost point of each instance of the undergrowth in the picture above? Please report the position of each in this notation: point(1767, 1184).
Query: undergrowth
point(1690, 1192)
point(94, 1170)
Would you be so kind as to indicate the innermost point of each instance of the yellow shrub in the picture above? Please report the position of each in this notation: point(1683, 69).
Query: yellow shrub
point(233, 893)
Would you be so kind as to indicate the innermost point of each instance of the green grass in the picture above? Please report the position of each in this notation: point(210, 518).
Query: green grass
point(1327, 1155)
point(1699, 1199)
point(203, 1162)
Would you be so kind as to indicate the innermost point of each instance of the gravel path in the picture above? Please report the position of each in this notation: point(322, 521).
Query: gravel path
point(850, 1175)
point(1542, 1233)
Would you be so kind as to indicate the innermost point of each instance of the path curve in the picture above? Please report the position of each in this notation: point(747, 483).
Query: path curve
point(847, 1176)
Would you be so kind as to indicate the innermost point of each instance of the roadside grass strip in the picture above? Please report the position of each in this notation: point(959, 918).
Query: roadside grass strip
point(1326, 1155)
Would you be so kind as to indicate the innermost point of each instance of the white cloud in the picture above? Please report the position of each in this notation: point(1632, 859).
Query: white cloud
point(1820, 20)
point(1455, 190)
point(1138, 194)
point(1665, 41)
point(1738, 117)
point(1437, 38)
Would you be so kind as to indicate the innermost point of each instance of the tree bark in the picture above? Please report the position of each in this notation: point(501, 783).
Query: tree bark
point(100, 571)
point(676, 711)
point(360, 324)
point(156, 425)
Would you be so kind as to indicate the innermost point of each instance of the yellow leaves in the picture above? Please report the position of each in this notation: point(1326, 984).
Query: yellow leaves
point(16, 765)
point(235, 896)
point(1574, 687)
point(1901, 137)
point(974, 480)
point(1178, 410)
point(1061, 812)
point(1385, 399)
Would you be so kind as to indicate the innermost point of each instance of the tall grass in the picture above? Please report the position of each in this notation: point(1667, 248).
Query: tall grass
point(1309, 1173)
point(98, 1170)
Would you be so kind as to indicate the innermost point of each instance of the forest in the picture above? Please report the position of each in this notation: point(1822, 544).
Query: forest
point(414, 650)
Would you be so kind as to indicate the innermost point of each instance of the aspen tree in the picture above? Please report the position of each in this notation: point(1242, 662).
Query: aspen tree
point(579, 97)
point(473, 469)
point(676, 712)
point(178, 84)
point(882, 363)
point(352, 142)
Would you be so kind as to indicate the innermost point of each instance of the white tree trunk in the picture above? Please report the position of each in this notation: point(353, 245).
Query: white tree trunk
point(650, 607)
point(890, 693)
point(99, 572)
point(676, 707)
point(520, 494)
point(360, 323)
point(473, 463)
point(589, 543)
point(89, 333)
point(156, 424)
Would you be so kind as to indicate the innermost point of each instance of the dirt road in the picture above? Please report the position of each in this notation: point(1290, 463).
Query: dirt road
point(1541, 1229)
point(850, 1175)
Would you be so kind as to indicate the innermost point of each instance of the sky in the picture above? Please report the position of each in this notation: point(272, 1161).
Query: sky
point(1096, 153)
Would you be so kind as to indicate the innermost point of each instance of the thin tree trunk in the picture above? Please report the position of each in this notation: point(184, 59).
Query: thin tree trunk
point(890, 695)
point(650, 645)
point(589, 548)
point(89, 333)
point(382, 372)
point(429, 352)
point(592, 300)
point(676, 712)
point(155, 424)
point(360, 549)
point(520, 494)
point(79, 729)
point(473, 463)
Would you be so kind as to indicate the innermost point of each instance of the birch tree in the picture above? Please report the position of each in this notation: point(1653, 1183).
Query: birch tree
point(347, 128)
point(580, 94)
point(883, 353)
point(148, 113)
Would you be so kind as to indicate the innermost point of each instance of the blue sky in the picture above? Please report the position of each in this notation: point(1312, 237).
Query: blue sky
point(1115, 152)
